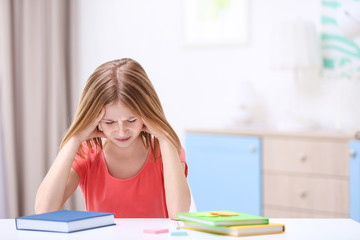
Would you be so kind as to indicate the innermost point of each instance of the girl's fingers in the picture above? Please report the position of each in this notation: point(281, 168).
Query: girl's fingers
point(101, 115)
point(92, 130)
point(100, 134)
point(98, 119)
point(145, 127)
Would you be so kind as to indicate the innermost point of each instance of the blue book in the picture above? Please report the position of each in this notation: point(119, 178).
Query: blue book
point(65, 221)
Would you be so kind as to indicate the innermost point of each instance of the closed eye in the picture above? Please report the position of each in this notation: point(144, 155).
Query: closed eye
point(109, 122)
point(132, 121)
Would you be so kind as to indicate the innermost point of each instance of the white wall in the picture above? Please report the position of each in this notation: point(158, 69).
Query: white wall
point(201, 87)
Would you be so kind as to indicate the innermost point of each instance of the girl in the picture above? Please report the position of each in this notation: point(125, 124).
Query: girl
point(120, 149)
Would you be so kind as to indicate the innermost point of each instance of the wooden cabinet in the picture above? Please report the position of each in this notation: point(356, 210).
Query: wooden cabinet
point(306, 176)
point(274, 174)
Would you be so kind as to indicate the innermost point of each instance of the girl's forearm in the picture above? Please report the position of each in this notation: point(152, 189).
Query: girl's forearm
point(177, 191)
point(51, 192)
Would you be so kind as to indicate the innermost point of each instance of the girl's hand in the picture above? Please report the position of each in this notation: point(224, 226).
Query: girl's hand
point(147, 128)
point(91, 131)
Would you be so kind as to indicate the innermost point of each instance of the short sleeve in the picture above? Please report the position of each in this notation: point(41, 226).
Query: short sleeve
point(183, 159)
point(79, 165)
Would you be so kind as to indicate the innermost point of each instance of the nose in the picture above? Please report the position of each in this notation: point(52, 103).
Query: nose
point(120, 129)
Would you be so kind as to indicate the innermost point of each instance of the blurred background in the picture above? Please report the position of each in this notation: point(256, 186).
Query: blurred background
point(243, 67)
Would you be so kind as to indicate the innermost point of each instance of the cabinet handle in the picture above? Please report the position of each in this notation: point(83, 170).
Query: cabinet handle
point(357, 135)
point(302, 157)
point(303, 194)
point(252, 148)
point(352, 153)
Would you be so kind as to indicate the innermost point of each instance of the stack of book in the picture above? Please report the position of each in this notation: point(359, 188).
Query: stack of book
point(229, 223)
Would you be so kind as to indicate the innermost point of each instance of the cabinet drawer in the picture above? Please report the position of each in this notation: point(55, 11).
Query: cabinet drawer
point(313, 193)
point(306, 156)
point(272, 212)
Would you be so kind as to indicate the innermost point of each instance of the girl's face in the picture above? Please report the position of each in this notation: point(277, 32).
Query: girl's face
point(120, 125)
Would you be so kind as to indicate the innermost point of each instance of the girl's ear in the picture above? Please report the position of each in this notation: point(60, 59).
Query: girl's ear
point(145, 129)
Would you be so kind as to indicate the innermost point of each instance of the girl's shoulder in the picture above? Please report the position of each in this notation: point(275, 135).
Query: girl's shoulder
point(88, 157)
point(90, 151)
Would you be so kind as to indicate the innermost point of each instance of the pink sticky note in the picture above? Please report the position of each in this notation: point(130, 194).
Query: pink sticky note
point(156, 230)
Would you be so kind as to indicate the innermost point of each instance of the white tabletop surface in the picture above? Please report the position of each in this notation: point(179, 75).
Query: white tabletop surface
point(296, 228)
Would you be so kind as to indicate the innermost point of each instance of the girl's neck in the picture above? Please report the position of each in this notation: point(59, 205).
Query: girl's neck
point(110, 149)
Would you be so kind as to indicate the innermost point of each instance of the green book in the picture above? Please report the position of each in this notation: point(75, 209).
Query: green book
point(222, 218)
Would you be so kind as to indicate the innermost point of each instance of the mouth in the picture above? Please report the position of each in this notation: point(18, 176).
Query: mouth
point(123, 139)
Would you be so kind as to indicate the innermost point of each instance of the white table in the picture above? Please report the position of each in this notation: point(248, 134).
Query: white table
point(296, 228)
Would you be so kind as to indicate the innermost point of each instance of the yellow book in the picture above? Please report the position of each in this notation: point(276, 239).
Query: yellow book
point(243, 230)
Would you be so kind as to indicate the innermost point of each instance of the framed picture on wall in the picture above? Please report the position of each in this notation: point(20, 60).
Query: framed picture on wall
point(215, 22)
point(340, 55)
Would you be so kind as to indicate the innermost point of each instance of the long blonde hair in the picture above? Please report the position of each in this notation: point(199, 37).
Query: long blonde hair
point(122, 80)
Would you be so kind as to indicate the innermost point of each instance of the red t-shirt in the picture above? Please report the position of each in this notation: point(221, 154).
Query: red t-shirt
point(142, 196)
